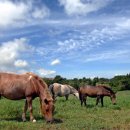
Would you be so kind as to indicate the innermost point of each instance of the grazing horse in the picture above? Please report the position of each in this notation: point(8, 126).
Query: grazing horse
point(97, 92)
point(62, 90)
point(27, 86)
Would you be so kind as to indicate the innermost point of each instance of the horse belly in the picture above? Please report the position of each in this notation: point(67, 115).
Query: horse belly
point(62, 93)
point(13, 93)
point(65, 92)
point(92, 96)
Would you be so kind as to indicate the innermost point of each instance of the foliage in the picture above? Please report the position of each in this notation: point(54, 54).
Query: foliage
point(118, 83)
point(121, 82)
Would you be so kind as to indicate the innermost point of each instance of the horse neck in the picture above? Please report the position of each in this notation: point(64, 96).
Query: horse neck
point(107, 93)
point(43, 91)
point(72, 90)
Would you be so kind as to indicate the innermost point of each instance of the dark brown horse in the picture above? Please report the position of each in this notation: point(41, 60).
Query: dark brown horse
point(97, 92)
point(27, 86)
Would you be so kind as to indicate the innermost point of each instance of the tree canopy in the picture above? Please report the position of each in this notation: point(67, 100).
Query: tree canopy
point(117, 83)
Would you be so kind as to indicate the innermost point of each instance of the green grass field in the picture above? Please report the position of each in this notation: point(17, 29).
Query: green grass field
point(74, 117)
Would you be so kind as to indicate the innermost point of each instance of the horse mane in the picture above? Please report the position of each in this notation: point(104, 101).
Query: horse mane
point(43, 83)
point(108, 88)
point(72, 88)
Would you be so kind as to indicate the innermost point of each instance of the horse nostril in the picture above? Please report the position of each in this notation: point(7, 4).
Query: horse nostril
point(50, 122)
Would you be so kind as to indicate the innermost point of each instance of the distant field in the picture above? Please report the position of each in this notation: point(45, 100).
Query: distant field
point(74, 116)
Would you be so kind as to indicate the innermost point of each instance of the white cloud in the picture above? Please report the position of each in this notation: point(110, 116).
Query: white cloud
point(10, 52)
point(21, 63)
point(79, 7)
point(124, 24)
point(55, 62)
point(40, 13)
point(108, 55)
point(9, 12)
point(68, 45)
point(44, 72)
point(18, 14)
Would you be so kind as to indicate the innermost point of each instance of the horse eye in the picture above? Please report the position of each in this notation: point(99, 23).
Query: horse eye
point(40, 81)
point(47, 110)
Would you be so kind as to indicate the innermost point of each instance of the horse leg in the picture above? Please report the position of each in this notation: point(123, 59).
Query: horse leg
point(81, 99)
point(29, 101)
point(24, 111)
point(102, 101)
point(54, 97)
point(97, 101)
point(84, 100)
point(66, 96)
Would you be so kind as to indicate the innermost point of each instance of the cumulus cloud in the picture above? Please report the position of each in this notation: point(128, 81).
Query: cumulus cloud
point(44, 72)
point(10, 12)
point(55, 62)
point(21, 63)
point(80, 7)
point(19, 13)
point(10, 53)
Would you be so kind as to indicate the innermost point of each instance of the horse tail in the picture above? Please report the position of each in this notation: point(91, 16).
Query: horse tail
point(80, 95)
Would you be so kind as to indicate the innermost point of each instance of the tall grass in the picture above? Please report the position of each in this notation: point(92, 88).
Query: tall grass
point(74, 117)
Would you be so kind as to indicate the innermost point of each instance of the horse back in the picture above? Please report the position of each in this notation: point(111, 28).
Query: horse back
point(61, 90)
point(14, 86)
point(91, 91)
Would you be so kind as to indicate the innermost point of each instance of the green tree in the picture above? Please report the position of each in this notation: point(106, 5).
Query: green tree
point(95, 80)
point(58, 79)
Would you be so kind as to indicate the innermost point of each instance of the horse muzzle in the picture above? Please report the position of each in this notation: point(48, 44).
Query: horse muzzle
point(50, 121)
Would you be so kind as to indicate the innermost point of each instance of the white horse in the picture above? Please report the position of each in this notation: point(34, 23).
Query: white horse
point(60, 90)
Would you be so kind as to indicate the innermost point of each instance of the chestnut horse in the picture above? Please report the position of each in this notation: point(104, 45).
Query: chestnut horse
point(97, 92)
point(27, 86)
point(62, 90)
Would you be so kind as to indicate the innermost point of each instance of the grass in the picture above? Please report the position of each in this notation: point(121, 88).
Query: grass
point(74, 117)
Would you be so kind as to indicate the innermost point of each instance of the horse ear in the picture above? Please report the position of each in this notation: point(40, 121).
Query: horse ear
point(46, 101)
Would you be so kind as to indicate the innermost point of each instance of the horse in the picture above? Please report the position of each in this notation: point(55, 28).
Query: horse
point(27, 86)
point(60, 90)
point(97, 92)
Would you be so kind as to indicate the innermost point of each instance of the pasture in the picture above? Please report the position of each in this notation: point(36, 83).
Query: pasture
point(74, 117)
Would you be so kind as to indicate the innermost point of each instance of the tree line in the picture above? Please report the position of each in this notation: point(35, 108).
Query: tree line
point(117, 83)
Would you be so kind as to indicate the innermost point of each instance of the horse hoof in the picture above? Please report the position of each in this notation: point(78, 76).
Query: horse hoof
point(34, 121)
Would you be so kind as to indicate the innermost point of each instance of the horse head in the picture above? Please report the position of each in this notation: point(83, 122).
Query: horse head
point(113, 98)
point(46, 101)
point(110, 93)
point(74, 91)
point(76, 94)
point(48, 109)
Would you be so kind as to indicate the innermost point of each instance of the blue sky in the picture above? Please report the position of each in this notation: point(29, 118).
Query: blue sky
point(71, 38)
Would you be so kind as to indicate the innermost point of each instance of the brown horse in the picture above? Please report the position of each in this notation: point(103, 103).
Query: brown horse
point(27, 86)
point(97, 92)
